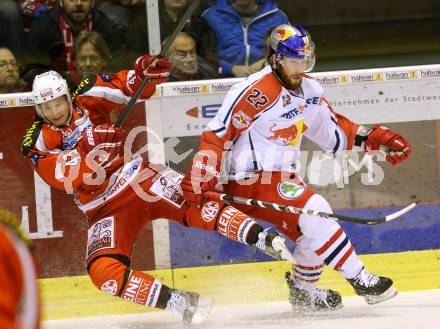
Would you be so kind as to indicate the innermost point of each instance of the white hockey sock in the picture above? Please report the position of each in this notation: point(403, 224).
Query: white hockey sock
point(338, 253)
point(307, 274)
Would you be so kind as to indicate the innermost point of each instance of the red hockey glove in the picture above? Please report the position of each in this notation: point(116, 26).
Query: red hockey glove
point(202, 177)
point(105, 138)
point(33, 8)
point(157, 71)
point(395, 146)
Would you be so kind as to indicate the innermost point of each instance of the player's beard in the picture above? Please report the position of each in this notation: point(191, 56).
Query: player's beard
point(290, 81)
point(293, 81)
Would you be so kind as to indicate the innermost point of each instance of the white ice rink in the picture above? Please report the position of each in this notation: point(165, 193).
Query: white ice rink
point(410, 310)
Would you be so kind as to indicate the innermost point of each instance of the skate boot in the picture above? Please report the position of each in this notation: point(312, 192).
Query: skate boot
point(273, 244)
point(306, 296)
point(375, 289)
point(193, 307)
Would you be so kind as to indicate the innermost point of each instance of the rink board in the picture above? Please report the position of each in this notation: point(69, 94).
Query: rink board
point(416, 230)
point(235, 284)
point(404, 94)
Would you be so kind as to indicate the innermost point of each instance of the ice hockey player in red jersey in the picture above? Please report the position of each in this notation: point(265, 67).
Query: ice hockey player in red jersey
point(74, 148)
point(19, 297)
point(259, 127)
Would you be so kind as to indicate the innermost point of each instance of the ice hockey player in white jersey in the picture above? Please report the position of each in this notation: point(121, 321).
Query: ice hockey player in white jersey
point(259, 127)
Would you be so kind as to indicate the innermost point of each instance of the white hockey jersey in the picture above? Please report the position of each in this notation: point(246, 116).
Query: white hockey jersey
point(266, 123)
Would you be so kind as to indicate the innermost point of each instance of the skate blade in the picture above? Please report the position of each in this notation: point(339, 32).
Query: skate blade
point(306, 310)
point(204, 306)
point(390, 293)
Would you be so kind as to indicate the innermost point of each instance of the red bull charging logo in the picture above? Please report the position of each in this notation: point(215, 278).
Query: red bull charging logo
point(288, 135)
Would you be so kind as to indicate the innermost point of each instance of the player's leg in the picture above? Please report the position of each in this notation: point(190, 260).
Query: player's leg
point(330, 243)
point(212, 216)
point(112, 275)
point(303, 293)
point(109, 247)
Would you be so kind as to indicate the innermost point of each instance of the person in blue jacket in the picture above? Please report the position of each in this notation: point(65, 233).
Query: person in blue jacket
point(239, 27)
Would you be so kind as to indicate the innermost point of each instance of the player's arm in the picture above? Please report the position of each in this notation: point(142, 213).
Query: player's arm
point(97, 148)
point(335, 132)
point(120, 87)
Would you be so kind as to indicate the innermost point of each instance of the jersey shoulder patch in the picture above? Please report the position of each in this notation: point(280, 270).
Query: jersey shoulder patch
point(30, 137)
point(84, 86)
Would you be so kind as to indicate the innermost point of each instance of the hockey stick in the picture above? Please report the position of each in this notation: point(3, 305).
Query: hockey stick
point(302, 211)
point(163, 51)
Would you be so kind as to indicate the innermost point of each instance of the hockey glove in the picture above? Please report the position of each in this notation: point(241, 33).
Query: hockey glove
point(104, 142)
point(155, 69)
point(202, 177)
point(33, 8)
point(395, 146)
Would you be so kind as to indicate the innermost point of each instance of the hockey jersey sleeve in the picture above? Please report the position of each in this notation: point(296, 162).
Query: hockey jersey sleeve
point(243, 105)
point(103, 94)
point(60, 169)
point(330, 130)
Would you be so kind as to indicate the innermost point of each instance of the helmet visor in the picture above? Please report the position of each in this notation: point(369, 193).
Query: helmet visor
point(298, 65)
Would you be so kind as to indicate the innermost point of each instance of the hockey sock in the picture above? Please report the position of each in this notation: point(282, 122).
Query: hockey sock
point(234, 224)
point(338, 253)
point(115, 278)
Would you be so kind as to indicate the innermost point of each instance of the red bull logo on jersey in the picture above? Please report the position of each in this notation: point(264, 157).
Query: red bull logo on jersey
point(290, 135)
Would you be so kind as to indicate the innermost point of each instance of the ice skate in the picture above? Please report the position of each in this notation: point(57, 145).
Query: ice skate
point(193, 307)
point(273, 244)
point(375, 289)
point(306, 296)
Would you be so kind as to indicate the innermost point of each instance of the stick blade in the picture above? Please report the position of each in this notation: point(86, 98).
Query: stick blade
point(399, 213)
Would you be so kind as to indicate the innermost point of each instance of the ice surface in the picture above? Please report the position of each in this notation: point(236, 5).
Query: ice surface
point(409, 310)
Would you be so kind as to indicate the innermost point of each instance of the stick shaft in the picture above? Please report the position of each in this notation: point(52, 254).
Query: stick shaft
point(302, 211)
point(163, 51)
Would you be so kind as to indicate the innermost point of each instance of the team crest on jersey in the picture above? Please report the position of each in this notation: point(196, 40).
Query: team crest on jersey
point(241, 120)
point(210, 210)
point(289, 190)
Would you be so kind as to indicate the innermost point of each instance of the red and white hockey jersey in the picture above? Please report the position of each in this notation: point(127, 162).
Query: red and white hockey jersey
point(53, 151)
point(266, 123)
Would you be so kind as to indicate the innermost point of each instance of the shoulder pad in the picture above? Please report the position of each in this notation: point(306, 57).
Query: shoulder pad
point(30, 137)
point(85, 85)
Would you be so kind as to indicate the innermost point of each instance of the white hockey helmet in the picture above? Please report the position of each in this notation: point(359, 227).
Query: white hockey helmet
point(48, 86)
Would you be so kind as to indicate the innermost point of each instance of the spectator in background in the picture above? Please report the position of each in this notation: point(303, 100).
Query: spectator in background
point(19, 297)
point(170, 12)
point(90, 55)
point(12, 28)
point(51, 36)
point(120, 11)
point(185, 64)
point(9, 74)
point(239, 28)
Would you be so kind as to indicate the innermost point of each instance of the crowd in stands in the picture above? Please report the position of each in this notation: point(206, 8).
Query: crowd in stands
point(223, 38)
